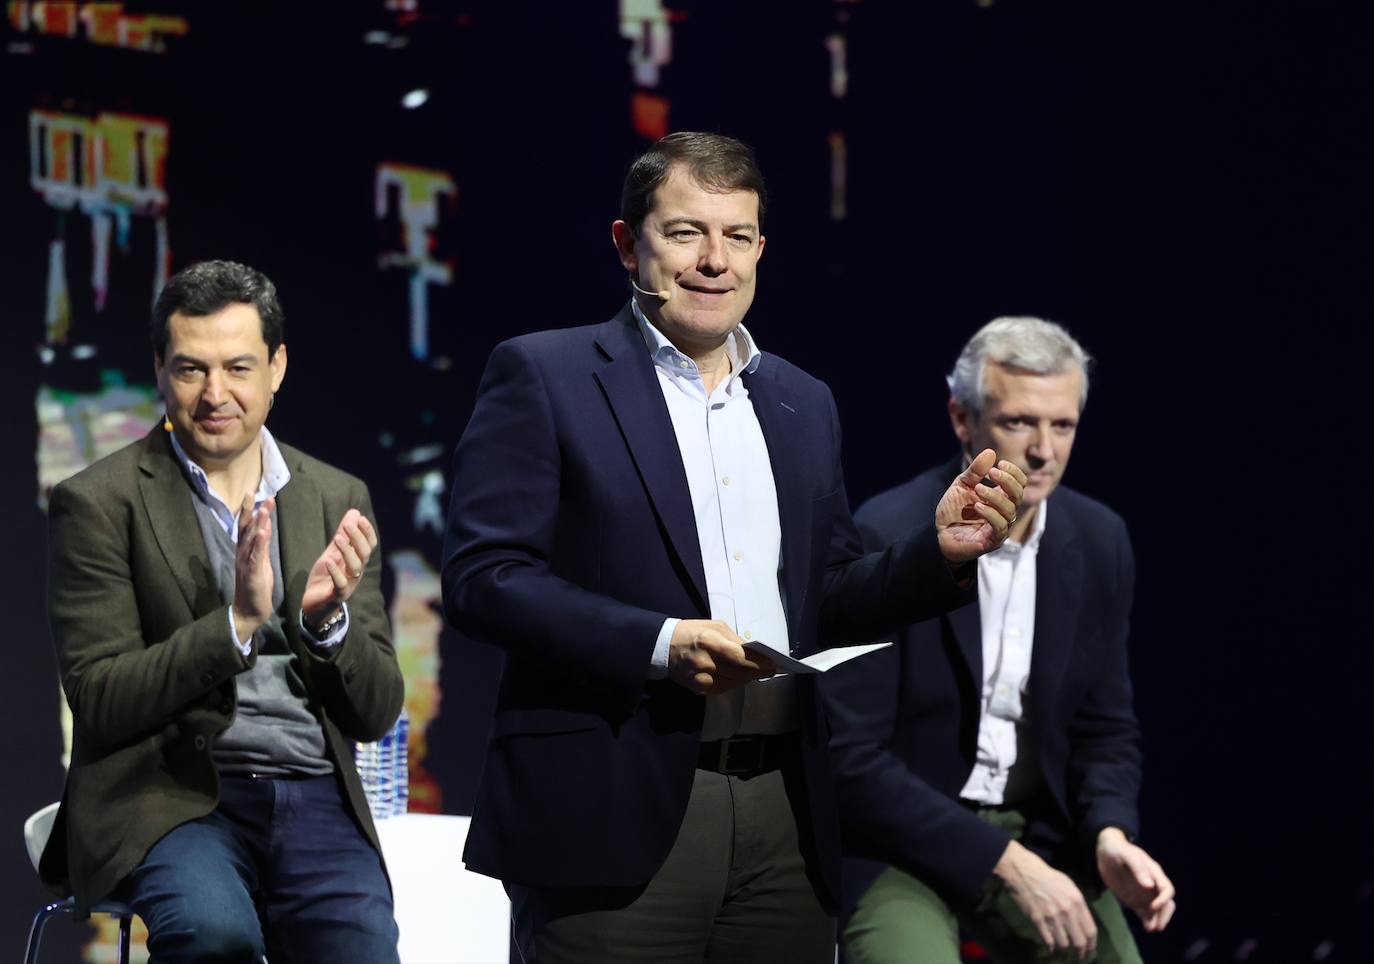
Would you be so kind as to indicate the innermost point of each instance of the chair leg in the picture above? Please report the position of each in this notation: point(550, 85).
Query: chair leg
point(124, 924)
point(40, 921)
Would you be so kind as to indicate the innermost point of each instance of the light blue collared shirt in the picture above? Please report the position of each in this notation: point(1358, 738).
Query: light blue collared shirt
point(735, 504)
point(275, 476)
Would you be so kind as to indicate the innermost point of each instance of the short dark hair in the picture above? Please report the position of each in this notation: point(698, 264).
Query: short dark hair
point(714, 161)
point(210, 286)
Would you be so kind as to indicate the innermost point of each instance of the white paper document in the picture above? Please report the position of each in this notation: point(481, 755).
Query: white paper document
point(816, 662)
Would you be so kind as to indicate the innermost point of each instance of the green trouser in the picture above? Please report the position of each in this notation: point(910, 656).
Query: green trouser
point(900, 920)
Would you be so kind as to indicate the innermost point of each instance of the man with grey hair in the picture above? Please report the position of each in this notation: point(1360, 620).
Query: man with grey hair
point(989, 766)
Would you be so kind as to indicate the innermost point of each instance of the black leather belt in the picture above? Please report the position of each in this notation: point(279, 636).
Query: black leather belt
point(980, 805)
point(745, 755)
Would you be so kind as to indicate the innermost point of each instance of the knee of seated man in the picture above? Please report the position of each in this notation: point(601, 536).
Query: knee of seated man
point(205, 935)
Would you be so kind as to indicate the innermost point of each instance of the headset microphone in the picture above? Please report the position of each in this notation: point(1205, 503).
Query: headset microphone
point(663, 295)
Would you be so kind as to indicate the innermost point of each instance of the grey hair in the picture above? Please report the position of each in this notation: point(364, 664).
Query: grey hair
point(1032, 344)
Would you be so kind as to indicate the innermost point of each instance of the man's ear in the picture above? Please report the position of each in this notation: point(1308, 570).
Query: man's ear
point(961, 421)
point(624, 237)
point(278, 364)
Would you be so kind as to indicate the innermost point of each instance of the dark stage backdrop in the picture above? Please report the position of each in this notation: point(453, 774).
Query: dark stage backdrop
point(1182, 184)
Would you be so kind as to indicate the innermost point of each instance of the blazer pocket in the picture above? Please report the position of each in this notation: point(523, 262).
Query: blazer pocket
point(542, 720)
point(830, 496)
point(823, 511)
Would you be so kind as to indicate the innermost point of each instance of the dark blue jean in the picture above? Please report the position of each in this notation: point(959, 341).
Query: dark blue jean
point(279, 868)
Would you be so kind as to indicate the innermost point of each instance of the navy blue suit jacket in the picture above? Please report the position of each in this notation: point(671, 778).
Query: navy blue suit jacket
point(905, 720)
point(571, 538)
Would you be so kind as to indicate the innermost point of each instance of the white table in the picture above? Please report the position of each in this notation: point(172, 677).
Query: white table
point(446, 914)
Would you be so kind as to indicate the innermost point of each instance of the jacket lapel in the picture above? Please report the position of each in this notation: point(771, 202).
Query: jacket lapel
point(302, 532)
point(966, 622)
point(166, 495)
point(782, 422)
point(636, 400)
point(1058, 586)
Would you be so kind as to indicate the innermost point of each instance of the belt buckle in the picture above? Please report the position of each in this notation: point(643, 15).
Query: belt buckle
point(730, 743)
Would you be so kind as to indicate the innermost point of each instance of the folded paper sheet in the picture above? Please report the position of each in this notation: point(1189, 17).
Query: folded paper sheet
point(816, 662)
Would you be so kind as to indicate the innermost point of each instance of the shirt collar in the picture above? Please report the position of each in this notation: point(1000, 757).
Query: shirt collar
point(275, 474)
point(744, 353)
point(1037, 531)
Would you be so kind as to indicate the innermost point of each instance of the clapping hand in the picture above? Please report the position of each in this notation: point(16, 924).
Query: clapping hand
point(339, 569)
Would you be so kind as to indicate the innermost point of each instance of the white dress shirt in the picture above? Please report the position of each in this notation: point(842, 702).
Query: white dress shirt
point(735, 504)
point(1006, 607)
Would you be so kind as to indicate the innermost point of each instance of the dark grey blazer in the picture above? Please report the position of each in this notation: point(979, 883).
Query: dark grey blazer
point(148, 663)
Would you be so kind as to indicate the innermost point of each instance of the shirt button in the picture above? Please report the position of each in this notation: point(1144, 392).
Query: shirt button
point(684, 364)
point(739, 556)
point(748, 634)
point(199, 742)
point(1013, 632)
point(725, 480)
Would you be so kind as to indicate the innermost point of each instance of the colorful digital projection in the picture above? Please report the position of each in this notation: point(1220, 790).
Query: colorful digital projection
point(419, 197)
point(837, 44)
point(111, 168)
point(415, 628)
point(104, 24)
point(76, 429)
point(648, 25)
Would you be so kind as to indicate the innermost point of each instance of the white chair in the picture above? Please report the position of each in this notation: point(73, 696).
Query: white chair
point(37, 829)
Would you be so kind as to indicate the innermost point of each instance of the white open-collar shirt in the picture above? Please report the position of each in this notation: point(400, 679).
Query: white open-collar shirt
point(1006, 608)
point(735, 504)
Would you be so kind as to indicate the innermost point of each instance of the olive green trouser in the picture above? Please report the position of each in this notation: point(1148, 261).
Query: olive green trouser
point(900, 920)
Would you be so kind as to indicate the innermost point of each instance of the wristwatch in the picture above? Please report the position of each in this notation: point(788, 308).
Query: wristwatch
point(323, 630)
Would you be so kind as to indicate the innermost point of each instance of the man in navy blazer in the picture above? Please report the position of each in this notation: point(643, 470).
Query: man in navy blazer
point(991, 760)
point(633, 503)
